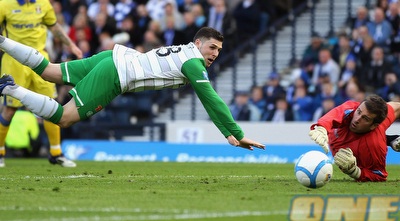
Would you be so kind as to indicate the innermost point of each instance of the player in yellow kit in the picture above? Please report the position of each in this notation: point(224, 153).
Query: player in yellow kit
point(27, 22)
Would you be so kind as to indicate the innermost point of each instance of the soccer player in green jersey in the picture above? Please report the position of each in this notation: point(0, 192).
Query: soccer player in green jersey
point(99, 79)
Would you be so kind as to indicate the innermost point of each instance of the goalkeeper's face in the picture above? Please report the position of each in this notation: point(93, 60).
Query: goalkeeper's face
point(363, 121)
point(209, 48)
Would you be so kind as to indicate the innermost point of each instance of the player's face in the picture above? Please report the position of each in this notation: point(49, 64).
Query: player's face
point(209, 49)
point(362, 121)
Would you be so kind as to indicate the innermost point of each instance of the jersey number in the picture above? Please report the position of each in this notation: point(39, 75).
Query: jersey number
point(165, 51)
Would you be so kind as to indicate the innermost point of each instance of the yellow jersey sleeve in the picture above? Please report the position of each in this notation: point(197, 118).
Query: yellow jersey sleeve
point(27, 23)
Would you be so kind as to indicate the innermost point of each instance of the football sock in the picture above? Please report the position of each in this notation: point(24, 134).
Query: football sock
point(55, 150)
point(40, 105)
point(4, 126)
point(2, 151)
point(24, 54)
point(53, 134)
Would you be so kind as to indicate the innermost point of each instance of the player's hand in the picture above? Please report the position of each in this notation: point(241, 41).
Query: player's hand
point(76, 51)
point(245, 143)
point(320, 136)
point(347, 163)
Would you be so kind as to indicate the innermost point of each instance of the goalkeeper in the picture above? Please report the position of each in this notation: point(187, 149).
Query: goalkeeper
point(104, 76)
point(355, 133)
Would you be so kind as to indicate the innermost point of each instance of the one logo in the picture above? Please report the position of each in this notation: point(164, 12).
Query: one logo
point(16, 11)
point(345, 207)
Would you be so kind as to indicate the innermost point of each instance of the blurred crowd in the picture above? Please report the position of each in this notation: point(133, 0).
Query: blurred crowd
point(362, 58)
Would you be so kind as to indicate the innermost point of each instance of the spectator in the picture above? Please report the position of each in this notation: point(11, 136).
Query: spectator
point(103, 25)
point(342, 51)
point(80, 29)
point(151, 41)
point(156, 10)
point(129, 26)
point(171, 35)
point(380, 29)
point(199, 17)
point(383, 4)
point(364, 55)
point(328, 90)
point(100, 6)
point(267, 9)
point(247, 15)
point(361, 19)
point(272, 89)
point(354, 91)
point(190, 28)
point(391, 88)
point(373, 73)
point(311, 52)
point(357, 41)
point(185, 5)
point(221, 19)
point(123, 8)
point(242, 109)
point(171, 12)
point(302, 105)
point(393, 17)
point(257, 98)
point(326, 70)
point(281, 113)
point(142, 18)
point(327, 105)
point(348, 73)
point(291, 89)
point(155, 27)
point(71, 8)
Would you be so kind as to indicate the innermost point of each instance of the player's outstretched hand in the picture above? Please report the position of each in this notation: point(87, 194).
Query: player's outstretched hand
point(347, 163)
point(320, 136)
point(245, 143)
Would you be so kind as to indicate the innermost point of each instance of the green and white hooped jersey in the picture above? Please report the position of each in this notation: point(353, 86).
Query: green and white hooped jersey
point(153, 70)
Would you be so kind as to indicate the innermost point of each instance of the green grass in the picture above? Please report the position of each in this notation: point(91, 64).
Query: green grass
point(31, 189)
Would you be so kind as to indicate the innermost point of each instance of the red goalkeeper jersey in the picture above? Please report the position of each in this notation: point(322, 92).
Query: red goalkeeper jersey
point(370, 148)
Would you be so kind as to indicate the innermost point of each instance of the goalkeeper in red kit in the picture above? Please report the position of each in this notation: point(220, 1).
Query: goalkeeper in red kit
point(356, 134)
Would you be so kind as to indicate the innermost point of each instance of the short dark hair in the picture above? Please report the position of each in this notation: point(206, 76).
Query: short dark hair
point(208, 33)
point(376, 105)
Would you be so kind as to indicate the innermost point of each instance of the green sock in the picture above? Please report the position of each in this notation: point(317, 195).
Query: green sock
point(40, 68)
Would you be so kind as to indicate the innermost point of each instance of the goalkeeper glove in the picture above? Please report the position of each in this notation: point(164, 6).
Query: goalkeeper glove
point(320, 136)
point(347, 163)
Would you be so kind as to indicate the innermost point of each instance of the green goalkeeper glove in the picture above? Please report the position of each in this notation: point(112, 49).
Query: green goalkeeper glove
point(320, 136)
point(347, 163)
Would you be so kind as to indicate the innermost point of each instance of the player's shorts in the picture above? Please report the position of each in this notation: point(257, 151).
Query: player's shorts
point(96, 82)
point(25, 77)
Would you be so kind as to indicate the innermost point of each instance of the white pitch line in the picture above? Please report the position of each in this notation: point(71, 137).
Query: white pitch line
point(132, 176)
point(202, 215)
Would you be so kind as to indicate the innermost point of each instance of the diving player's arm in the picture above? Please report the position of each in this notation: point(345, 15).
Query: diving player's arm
point(216, 108)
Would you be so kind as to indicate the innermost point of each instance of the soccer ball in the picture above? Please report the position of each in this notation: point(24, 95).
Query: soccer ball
point(313, 169)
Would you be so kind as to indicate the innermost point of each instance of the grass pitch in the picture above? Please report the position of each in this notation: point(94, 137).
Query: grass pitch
point(32, 189)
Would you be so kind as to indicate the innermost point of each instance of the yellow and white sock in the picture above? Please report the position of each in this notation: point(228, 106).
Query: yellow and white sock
point(2, 151)
point(55, 150)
